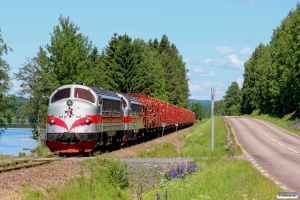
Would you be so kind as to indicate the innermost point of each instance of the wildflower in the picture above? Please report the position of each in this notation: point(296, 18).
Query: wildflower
point(172, 173)
point(180, 171)
point(191, 167)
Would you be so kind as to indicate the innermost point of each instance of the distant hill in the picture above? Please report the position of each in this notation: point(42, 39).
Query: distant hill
point(203, 102)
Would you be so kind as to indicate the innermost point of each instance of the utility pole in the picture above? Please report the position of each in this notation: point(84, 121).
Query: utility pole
point(213, 92)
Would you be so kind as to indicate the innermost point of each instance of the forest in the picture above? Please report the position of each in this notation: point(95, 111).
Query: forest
point(271, 77)
point(154, 67)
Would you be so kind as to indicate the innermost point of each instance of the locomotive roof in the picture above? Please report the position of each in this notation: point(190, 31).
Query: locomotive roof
point(132, 99)
point(101, 91)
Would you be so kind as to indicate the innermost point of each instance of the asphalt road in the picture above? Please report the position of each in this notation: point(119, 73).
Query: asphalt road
point(276, 151)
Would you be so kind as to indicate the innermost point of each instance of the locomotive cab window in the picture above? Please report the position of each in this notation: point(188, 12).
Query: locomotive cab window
point(111, 107)
point(84, 94)
point(116, 107)
point(106, 107)
point(136, 109)
point(61, 94)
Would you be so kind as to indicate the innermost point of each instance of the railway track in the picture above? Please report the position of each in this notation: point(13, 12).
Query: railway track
point(12, 165)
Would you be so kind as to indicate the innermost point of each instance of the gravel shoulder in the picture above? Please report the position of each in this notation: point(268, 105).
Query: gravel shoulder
point(60, 172)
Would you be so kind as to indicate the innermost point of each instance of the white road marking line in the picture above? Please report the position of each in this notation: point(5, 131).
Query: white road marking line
point(266, 135)
point(261, 131)
point(273, 139)
point(293, 150)
point(276, 182)
point(281, 144)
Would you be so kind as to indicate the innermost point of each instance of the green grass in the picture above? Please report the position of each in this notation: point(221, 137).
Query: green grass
point(106, 180)
point(159, 151)
point(198, 143)
point(281, 122)
point(217, 177)
point(220, 179)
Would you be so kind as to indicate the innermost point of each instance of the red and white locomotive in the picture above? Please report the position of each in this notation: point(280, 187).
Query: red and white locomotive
point(83, 118)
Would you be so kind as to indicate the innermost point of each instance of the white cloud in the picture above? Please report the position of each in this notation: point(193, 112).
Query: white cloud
point(240, 82)
point(205, 92)
point(198, 70)
point(225, 49)
point(229, 61)
point(213, 62)
point(195, 87)
point(186, 60)
point(235, 61)
point(201, 72)
point(211, 73)
point(246, 51)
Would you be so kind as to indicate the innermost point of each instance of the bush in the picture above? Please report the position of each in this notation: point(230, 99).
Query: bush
point(22, 154)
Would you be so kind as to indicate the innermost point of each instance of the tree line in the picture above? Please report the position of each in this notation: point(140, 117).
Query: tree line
point(272, 74)
point(125, 65)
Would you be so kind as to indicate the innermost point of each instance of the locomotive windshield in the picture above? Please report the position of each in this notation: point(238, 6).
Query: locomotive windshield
point(84, 94)
point(61, 94)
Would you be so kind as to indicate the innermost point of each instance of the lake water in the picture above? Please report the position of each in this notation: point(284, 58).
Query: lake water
point(13, 141)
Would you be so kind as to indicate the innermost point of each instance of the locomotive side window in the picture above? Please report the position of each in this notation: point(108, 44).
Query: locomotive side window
point(61, 94)
point(136, 109)
point(106, 107)
point(112, 106)
point(116, 107)
point(84, 94)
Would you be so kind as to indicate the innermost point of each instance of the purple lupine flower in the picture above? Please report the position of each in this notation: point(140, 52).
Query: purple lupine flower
point(180, 171)
point(297, 125)
point(157, 196)
point(172, 173)
point(191, 167)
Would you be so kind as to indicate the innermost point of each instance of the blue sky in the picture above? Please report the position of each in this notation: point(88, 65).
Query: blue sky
point(214, 37)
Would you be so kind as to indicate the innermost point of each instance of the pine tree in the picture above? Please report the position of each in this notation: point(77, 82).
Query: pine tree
point(149, 77)
point(110, 66)
point(124, 60)
point(175, 71)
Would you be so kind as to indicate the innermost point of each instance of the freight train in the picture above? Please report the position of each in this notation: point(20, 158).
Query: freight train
point(82, 119)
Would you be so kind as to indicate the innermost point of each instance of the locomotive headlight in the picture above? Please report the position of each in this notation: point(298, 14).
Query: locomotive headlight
point(69, 103)
point(87, 121)
point(52, 121)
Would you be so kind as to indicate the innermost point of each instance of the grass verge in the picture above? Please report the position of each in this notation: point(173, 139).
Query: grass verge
point(281, 122)
point(99, 179)
point(159, 151)
point(217, 177)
